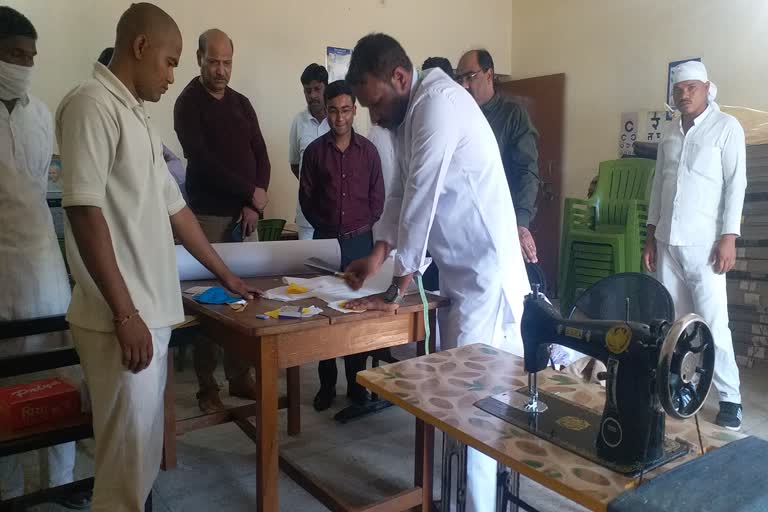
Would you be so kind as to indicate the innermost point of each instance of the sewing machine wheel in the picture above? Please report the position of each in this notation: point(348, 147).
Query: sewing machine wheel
point(686, 366)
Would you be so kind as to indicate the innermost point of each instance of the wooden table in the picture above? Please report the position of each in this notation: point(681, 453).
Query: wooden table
point(441, 389)
point(272, 345)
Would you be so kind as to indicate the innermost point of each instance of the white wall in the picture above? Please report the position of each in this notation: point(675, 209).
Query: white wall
point(274, 41)
point(615, 55)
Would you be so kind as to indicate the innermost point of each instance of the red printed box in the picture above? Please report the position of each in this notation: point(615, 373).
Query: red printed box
point(37, 403)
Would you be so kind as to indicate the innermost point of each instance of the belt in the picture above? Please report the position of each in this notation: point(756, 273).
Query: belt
point(349, 234)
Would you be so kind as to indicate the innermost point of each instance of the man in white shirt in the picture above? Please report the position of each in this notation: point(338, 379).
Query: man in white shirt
point(308, 125)
point(695, 217)
point(32, 271)
point(123, 209)
point(384, 141)
point(452, 187)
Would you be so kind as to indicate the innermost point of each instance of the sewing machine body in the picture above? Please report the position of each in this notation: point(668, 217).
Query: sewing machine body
point(630, 352)
point(650, 369)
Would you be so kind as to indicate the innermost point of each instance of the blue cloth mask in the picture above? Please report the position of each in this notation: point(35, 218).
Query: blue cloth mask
point(215, 295)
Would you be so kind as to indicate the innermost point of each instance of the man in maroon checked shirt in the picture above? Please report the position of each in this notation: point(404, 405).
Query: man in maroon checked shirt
point(342, 195)
point(227, 178)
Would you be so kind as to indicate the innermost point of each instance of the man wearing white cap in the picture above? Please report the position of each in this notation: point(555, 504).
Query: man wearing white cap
point(694, 218)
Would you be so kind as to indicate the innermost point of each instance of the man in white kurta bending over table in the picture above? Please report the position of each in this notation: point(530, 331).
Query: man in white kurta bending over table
point(123, 209)
point(695, 217)
point(452, 200)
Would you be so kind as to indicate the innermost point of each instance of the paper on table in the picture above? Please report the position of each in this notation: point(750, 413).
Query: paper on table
point(314, 283)
point(329, 289)
point(255, 259)
point(338, 306)
point(281, 293)
point(294, 312)
point(334, 290)
point(344, 293)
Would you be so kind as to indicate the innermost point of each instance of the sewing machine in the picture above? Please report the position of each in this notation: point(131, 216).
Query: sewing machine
point(651, 369)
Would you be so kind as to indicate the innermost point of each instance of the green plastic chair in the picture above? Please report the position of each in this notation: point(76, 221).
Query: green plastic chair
point(270, 230)
point(605, 234)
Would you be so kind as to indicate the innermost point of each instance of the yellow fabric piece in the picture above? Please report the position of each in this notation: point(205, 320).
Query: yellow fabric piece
point(275, 313)
point(295, 289)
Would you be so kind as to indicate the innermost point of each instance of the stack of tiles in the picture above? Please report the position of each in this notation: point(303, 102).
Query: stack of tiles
point(748, 281)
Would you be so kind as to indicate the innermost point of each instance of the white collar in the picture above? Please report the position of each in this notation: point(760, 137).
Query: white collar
point(308, 115)
point(415, 81)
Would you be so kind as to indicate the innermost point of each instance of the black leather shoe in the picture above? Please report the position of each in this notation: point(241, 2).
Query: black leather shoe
point(76, 501)
point(358, 395)
point(324, 399)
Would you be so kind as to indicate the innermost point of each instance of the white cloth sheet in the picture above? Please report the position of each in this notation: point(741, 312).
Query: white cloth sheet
point(334, 290)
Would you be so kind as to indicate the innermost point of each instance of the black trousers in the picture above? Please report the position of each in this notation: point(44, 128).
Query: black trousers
point(352, 249)
point(431, 277)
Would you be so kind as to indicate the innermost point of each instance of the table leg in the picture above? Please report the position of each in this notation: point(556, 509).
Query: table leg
point(169, 423)
point(266, 418)
point(293, 383)
point(424, 462)
point(508, 491)
point(515, 488)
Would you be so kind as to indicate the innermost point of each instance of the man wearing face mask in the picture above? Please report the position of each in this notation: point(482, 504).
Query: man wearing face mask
point(342, 195)
point(32, 270)
point(227, 178)
point(123, 210)
point(694, 218)
point(516, 136)
point(308, 125)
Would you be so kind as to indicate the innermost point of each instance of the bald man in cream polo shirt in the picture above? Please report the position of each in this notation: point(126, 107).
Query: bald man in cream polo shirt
point(123, 210)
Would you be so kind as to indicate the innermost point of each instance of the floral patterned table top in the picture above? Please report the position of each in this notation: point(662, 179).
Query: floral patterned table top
point(441, 390)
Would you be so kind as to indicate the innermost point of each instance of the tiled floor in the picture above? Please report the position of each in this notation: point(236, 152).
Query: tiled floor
point(363, 461)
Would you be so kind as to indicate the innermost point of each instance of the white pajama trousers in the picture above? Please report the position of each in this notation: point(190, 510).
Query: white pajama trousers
point(465, 322)
point(688, 275)
point(127, 418)
point(61, 463)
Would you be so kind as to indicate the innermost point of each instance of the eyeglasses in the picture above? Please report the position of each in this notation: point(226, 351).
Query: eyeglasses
point(468, 76)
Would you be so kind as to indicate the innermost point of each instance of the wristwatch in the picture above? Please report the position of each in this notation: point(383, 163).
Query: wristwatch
point(392, 295)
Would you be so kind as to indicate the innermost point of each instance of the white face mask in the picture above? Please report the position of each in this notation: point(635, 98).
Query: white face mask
point(15, 81)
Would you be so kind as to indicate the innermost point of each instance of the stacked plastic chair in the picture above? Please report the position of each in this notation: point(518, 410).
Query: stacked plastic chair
point(270, 230)
point(605, 234)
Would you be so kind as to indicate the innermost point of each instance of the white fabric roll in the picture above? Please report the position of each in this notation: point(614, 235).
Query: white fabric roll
point(255, 259)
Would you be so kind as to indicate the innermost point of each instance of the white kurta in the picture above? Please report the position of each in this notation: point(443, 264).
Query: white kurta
point(700, 181)
point(384, 140)
point(698, 195)
point(34, 277)
point(453, 200)
point(32, 272)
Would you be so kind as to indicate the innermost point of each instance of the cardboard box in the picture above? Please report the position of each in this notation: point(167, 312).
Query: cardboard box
point(37, 403)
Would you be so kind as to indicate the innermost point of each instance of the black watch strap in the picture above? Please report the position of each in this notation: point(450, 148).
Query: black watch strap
point(392, 295)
